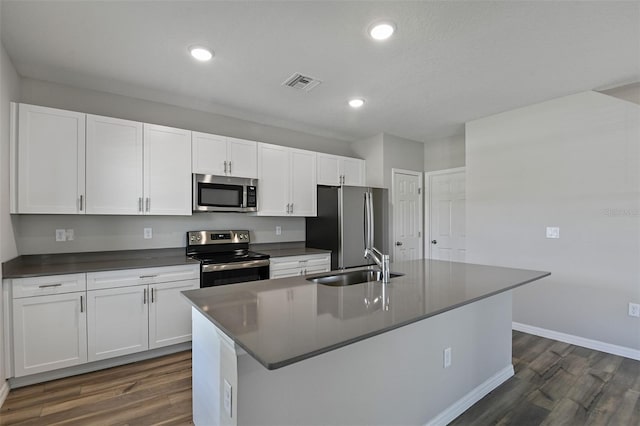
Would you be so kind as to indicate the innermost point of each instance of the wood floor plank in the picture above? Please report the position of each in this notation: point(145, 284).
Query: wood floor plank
point(554, 384)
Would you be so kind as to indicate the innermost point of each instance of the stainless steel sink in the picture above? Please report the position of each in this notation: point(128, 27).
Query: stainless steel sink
point(350, 277)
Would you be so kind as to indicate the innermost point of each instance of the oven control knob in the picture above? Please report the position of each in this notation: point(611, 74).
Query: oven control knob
point(192, 238)
point(198, 237)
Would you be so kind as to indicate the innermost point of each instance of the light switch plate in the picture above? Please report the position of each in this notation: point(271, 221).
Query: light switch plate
point(553, 232)
point(148, 233)
point(278, 230)
point(70, 234)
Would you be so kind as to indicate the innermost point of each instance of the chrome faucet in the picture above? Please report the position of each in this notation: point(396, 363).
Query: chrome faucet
point(382, 260)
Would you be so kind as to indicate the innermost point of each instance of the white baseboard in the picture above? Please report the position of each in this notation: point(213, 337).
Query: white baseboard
point(4, 392)
point(475, 395)
point(578, 341)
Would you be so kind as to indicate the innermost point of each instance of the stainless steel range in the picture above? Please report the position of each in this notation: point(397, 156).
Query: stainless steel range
point(225, 257)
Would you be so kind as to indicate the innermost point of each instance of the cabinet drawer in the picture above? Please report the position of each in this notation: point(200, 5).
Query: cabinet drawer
point(51, 284)
point(143, 276)
point(290, 262)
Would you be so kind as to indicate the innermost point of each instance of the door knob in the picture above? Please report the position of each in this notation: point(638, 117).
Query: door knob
point(434, 242)
point(398, 243)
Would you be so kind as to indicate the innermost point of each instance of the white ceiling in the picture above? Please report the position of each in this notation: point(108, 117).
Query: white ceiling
point(449, 62)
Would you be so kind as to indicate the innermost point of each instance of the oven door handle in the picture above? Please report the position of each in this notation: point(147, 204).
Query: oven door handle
point(235, 265)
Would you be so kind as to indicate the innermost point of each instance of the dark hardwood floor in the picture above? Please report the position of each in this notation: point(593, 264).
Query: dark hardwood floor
point(555, 384)
point(560, 384)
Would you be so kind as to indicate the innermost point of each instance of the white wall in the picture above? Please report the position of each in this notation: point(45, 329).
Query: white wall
point(446, 153)
point(573, 162)
point(35, 234)
point(371, 151)
point(400, 153)
point(9, 91)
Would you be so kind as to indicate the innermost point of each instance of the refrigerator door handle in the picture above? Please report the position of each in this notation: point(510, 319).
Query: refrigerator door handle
point(366, 221)
point(370, 219)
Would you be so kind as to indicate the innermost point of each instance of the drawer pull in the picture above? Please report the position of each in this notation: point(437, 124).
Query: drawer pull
point(50, 285)
point(147, 276)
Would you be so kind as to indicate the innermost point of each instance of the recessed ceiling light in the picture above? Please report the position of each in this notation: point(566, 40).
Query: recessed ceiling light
point(356, 103)
point(382, 30)
point(201, 53)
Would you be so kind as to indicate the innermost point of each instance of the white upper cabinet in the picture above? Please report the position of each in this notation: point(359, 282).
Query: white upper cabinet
point(274, 180)
point(50, 159)
point(167, 170)
point(114, 166)
point(287, 179)
point(224, 156)
point(303, 183)
point(337, 170)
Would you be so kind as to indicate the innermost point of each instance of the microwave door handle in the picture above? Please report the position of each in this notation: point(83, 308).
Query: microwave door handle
point(366, 222)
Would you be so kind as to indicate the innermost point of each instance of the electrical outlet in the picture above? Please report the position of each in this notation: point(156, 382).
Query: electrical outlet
point(278, 230)
point(634, 309)
point(148, 233)
point(61, 235)
point(70, 235)
point(447, 358)
point(553, 232)
point(227, 398)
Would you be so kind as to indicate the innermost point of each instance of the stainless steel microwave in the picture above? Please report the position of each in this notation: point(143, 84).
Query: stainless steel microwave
point(224, 194)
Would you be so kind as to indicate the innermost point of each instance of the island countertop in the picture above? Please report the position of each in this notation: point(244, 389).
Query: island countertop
point(283, 321)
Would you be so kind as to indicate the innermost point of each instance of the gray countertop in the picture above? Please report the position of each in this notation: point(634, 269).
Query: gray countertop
point(283, 321)
point(73, 263)
point(294, 251)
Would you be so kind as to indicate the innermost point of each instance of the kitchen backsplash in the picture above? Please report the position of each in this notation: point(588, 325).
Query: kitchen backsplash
point(36, 234)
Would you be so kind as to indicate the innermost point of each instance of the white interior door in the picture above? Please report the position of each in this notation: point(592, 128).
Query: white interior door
point(407, 214)
point(447, 215)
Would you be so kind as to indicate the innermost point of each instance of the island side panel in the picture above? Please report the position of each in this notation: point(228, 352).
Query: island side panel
point(205, 370)
point(392, 378)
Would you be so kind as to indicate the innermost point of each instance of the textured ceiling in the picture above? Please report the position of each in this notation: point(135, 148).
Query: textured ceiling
point(449, 62)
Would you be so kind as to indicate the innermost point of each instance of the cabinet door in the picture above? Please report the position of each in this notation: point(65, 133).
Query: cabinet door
point(170, 313)
point(51, 145)
point(352, 171)
point(167, 170)
point(118, 321)
point(114, 166)
point(273, 176)
point(209, 154)
point(243, 158)
point(328, 171)
point(49, 332)
point(303, 183)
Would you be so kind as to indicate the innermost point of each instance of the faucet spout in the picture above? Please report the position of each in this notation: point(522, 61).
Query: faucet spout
point(382, 260)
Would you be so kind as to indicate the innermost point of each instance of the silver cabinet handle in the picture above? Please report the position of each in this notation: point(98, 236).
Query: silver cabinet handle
point(140, 204)
point(81, 202)
point(148, 201)
point(225, 167)
point(152, 298)
point(287, 208)
point(398, 243)
point(147, 276)
point(291, 208)
point(81, 304)
point(144, 297)
point(50, 285)
point(230, 167)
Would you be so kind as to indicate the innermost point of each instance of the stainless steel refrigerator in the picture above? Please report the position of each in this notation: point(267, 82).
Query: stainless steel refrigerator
point(341, 223)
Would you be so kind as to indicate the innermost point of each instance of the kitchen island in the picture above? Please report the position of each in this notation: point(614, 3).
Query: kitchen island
point(289, 351)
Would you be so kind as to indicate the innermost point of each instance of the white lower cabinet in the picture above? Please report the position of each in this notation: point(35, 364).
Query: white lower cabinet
point(67, 320)
point(291, 266)
point(49, 332)
point(118, 322)
point(138, 309)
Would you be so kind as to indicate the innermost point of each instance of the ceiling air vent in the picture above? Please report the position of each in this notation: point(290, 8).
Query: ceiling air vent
point(301, 82)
